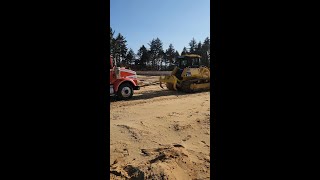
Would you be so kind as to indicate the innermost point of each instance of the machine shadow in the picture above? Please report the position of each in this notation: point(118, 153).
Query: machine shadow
point(154, 94)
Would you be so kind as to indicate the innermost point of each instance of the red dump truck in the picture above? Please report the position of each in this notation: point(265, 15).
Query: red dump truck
point(122, 81)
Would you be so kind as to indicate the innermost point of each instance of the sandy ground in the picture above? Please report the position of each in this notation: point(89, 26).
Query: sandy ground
point(160, 134)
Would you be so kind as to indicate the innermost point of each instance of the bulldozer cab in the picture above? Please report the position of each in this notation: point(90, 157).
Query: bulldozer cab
point(186, 61)
point(191, 60)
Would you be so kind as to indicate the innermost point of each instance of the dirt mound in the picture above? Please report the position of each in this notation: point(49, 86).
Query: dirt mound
point(168, 162)
point(127, 172)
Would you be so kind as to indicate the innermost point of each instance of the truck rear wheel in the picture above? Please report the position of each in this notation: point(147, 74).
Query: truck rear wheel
point(125, 91)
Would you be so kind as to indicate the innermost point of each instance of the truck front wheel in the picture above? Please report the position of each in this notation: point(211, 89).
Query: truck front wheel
point(125, 91)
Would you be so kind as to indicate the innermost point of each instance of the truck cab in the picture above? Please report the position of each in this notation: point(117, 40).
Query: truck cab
point(122, 82)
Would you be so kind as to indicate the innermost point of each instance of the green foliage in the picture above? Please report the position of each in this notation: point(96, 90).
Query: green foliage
point(155, 58)
point(193, 46)
point(205, 52)
point(143, 59)
point(198, 48)
point(112, 42)
point(184, 51)
point(170, 54)
point(156, 53)
point(120, 48)
point(176, 54)
point(129, 58)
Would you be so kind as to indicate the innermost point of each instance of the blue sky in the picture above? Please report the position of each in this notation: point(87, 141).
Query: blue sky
point(172, 21)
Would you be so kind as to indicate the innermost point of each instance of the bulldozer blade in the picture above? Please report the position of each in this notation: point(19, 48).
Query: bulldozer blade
point(161, 85)
point(161, 79)
point(168, 79)
point(175, 86)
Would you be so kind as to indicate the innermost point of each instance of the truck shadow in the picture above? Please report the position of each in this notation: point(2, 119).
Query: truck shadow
point(154, 94)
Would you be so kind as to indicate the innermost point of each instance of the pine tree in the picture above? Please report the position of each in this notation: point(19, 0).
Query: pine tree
point(170, 54)
point(205, 52)
point(112, 41)
point(156, 53)
point(130, 57)
point(120, 48)
point(162, 60)
point(184, 51)
point(198, 48)
point(176, 54)
point(143, 54)
point(193, 45)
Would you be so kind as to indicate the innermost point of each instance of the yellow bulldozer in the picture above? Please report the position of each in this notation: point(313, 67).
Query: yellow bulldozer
point(189, 75)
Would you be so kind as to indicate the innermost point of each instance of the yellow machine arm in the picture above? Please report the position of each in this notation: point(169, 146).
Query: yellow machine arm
point(169, 80)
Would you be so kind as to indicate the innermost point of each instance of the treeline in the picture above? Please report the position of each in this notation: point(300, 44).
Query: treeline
point(154, 57)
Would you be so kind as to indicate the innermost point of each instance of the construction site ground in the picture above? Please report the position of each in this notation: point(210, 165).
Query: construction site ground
point(160, 134)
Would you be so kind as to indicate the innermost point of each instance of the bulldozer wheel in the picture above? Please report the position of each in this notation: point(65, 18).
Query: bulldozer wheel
point(169, 86)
